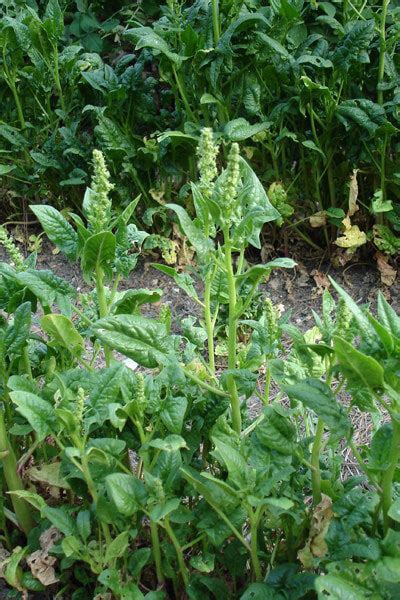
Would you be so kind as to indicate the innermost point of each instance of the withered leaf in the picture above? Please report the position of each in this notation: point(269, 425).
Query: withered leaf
point(318, 219)
point(316, 546)
point(353, 194)
point(41, 566)
point(352, 237)
point(387, 272)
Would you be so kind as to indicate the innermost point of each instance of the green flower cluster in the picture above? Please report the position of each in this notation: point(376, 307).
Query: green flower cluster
point(140, 392)
point(232, 176)
point(12, 250)
point(165, 316)
point(270, 319)
point(80, 404)
point(157, 489)
point(99, 209)
point(207, 153)
point(343, 319)
point(278, 198)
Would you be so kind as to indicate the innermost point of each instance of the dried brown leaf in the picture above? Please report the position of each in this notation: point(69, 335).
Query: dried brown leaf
point(288, 284)
point(340, 259)
point(49, 537)
point(48, 475)
point(249, 151)
point(316, 546)
point(267, 250)
point(40, 562)
point(304, 277)
point(321, 280)
point(318, 219)
point(157, 195)
point(353, 194)
point(387, 272)
point(184, 252)
point(41, 566)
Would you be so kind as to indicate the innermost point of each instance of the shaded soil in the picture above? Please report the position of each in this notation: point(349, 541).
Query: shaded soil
point(299, 289)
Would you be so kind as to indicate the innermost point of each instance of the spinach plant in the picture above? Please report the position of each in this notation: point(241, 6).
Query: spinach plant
point(230, 212)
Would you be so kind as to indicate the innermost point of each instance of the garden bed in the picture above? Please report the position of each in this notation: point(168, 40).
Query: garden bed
point(146, 423)
point(299, 291)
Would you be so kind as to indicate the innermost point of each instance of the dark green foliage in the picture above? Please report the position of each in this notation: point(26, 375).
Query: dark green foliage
point(310, 89)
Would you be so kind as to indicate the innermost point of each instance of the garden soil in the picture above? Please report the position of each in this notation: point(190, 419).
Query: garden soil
point(298, 290)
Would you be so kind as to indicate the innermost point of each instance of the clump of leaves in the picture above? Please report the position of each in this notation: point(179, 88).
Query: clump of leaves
point(385, 240)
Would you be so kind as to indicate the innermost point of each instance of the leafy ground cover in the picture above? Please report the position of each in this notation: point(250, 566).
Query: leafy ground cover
point(132, 467)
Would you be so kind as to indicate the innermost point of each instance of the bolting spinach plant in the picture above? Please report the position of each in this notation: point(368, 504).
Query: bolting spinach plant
point(156, 482)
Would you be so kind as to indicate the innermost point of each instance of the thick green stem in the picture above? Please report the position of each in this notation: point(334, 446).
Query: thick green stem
point(93, 492)
point(232, 334)
point(254, 547)
point(179, 554)
point(315, 455)
point(267, 384)
point(18, 104)
point(361, 464)
point(57, 79)
point(382, 49)
point(204, 384)
point(113, 292)
point(215, 20)
point(331, 185)
point(14, 484)
point(182, 90)
point(275, 164)
point(313, 128)
point(379, 216)
point(318, 144)
point(103, 306)
point(10, 79)
point(155, 542)
point(25, 457)
point(101, 296)
point(381, 75)
point(88, 477)
point(387, 479)
point(237, 533)
point(209, 322)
